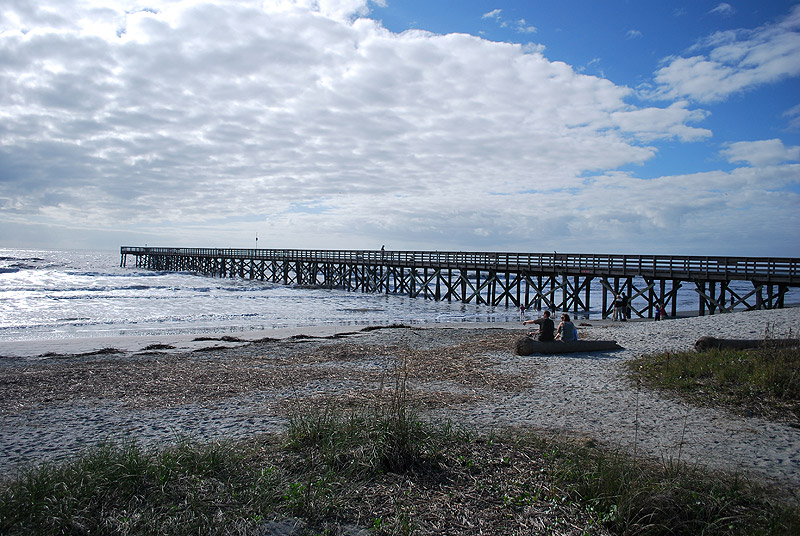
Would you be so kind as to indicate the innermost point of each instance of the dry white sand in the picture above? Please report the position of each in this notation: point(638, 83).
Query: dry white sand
point(586, 394)
point(590, 394)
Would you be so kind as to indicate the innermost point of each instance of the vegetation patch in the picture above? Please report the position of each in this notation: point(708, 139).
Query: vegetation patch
point(635, 496)
point(388, 326)
point(384, 472)
point(151, 347)
point(763, 381)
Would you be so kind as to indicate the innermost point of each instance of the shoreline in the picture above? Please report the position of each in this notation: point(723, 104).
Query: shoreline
point(468, 373)
point(50, 348)
point(188, 342)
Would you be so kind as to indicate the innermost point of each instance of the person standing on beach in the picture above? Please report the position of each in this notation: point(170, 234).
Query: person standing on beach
point(618, 311)
point(546, 327)
point(626, 309)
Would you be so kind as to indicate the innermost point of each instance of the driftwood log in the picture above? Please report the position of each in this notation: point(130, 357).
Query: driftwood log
point(712, 343)
point(528, 346)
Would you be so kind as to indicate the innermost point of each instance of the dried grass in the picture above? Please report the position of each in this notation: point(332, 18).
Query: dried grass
point(461, 367)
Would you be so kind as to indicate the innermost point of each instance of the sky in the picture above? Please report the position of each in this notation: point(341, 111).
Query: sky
point(616, 127)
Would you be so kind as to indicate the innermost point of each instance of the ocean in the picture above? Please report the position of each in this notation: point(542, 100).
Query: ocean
point(47, 294)
point(71, 294)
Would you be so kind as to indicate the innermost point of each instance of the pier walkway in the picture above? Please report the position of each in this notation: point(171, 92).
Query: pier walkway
point(557, 281)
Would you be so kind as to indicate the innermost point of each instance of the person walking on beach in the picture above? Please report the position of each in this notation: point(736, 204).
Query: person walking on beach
point(546, 327)
point(626, 308)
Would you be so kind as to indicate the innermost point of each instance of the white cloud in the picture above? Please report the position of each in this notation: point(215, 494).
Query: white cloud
point(519, 25)
point(204, 122)
point(523, 27)
point(761, 153)
point(633, 34)
point(723, 9)
point(658, 123)
point(336, 9)
point(734, 61)
point(794, 117)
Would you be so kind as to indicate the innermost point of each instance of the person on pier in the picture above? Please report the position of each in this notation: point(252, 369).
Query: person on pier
point(546, 327)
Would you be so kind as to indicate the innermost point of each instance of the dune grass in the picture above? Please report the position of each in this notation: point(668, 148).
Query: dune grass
point(383, 471)
point(635, 496)
point(763, 381)
point(126, 489)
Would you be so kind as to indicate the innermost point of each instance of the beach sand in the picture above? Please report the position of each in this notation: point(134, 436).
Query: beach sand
point(52, 407)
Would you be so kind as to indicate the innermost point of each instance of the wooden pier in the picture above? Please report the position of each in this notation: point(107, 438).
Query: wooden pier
point(556, 281)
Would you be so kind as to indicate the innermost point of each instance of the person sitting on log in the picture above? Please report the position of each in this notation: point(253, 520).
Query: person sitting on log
point(546, 327)
point(566, 329)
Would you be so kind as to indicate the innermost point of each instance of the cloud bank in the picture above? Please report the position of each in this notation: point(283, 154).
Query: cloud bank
point(200, 123)
point(733, 61)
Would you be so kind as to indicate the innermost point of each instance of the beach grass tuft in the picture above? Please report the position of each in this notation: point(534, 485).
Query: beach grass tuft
point(388, 435)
